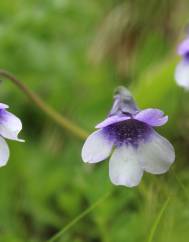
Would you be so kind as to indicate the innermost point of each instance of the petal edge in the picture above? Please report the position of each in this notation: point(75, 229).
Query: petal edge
point(157, 155)
point(96, 148)
point(4, 152)
point(152, 116)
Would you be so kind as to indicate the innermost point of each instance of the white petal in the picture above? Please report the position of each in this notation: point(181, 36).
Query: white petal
point(10, 126)
point(124, 168)
point(96, 148)
point(4, 152)
point(157, 155)
point(182, 75)
point(3, 106)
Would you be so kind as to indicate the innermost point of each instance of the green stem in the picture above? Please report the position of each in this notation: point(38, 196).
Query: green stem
point(78, 218)
point(157, 220)
point(180, 183)
point(57, 117)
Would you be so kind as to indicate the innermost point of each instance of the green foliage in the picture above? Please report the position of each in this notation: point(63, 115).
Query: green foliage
point(45, 184)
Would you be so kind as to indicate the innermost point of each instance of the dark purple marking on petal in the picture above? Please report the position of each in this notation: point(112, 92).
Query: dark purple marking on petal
point(129, 132)
point(186, 57)
point(183, 47)
point(3, 115)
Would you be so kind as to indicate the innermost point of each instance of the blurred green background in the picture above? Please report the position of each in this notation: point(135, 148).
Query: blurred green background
point(73, 54)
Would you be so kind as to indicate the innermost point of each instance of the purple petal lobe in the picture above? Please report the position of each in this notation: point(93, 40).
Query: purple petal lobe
point(124, 168)
point(4, 152)
point(152, 116)
point(96, 148)
point(156, 155)
point(3, 106)
point(112, 120)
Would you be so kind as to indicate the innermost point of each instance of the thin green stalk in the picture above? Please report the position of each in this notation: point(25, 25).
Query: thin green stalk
point(54, 115)
point(157, 220)
point(180, 183)
point(78, 218)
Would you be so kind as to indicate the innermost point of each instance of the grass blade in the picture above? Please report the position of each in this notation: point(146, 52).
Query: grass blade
point(157, 220)
point(78, 218)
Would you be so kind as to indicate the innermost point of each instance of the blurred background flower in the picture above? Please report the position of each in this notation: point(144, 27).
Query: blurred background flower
point(74, 54)
point(10, 126)
point(182, 69)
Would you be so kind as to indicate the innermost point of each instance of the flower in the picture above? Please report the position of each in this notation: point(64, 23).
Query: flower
point(136, 146)
point(182, 69)
point(10, 126)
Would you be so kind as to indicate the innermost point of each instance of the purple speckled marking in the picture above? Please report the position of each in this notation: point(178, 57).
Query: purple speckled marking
point(129, 132)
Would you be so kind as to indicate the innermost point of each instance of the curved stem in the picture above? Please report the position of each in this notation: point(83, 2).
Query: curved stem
point(78, 218)
point(54, 115)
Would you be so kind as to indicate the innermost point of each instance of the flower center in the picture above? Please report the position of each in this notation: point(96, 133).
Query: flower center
point(129, 132)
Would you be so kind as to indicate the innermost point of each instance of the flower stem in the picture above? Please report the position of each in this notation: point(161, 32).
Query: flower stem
point(54, 115)
point(78, 218)
point(180, 183)
point(157, 220)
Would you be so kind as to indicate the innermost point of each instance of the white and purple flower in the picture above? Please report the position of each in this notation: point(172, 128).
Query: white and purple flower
point(10, 126)
point(128, 136)
point(182, 69)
